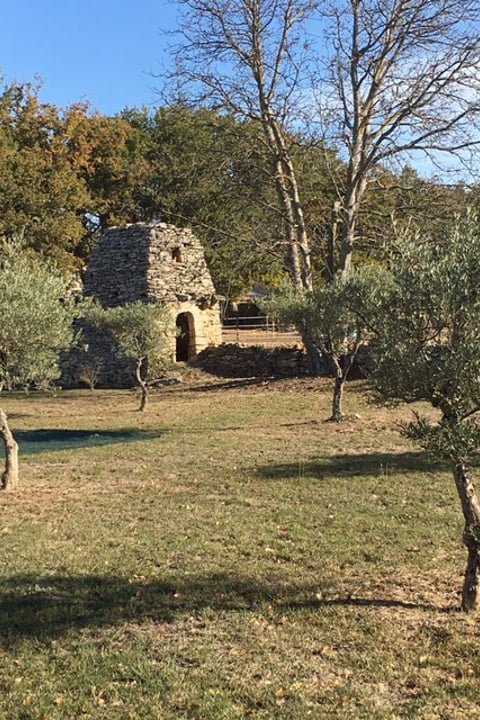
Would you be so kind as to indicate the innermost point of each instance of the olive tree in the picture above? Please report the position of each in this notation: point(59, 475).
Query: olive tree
point(141, 332)
point(329, 315)
point(36, 324)
point(428, 349)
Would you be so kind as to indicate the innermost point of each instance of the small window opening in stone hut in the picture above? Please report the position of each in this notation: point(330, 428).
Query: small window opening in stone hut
point(177, 254)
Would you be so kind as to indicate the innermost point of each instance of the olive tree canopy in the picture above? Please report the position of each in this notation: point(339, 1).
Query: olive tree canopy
point(36, 324)
point(140, 331)
point(428, 349)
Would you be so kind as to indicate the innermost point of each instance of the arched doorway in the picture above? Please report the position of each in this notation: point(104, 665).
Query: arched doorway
point(185, 346)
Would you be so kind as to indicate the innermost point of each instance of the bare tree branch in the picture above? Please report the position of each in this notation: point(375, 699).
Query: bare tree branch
point(399, 76)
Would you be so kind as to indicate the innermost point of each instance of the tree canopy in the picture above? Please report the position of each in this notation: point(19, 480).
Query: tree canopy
point(36, 317)
point(37, 323)
point(141, 331)
point(427, 348)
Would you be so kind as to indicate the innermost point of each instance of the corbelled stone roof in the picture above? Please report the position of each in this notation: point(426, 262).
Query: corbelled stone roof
point(146, 262)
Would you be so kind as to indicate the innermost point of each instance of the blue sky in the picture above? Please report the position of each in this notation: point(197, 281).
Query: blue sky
point(97, 50)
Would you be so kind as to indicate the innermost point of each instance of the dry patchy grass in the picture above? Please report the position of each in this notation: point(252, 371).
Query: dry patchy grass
point(229, 555)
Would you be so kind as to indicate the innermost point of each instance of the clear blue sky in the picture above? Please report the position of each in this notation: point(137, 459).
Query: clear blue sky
point(103, 51)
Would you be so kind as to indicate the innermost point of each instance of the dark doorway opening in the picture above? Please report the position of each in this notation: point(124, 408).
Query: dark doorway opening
point(185, 348)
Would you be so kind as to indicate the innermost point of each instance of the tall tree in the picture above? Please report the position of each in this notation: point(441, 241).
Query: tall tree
point(397, 78)
point(41, 193)
point(246, 56)
point(112, 157)
point(210, 172)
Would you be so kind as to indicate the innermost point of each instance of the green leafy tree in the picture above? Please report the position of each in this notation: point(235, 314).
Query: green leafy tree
point(328, 316)
point(141, 331)
point(36, 324)
point(41, 192)
point(189, 167)
point(428, 349)
point(210, 171)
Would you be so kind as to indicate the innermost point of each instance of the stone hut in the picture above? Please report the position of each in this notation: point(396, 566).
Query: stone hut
point(159, 262)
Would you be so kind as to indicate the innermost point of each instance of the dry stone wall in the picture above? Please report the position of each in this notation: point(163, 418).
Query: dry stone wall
point(149, 262)
point(236, 361)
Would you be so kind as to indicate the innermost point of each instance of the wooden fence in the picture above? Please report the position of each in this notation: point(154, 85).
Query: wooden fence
point(258, 330)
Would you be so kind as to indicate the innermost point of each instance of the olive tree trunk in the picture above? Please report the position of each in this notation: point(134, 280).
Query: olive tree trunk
point(337, 399)
point(471, 534)
point(142, 385)
point(9, 479)
point(341, 370)
point(317, 363)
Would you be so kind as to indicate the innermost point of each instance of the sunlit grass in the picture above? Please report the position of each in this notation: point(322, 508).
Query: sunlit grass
point(227, 555)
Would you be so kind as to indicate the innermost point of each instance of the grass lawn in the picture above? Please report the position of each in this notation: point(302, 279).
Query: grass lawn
point(228, 554)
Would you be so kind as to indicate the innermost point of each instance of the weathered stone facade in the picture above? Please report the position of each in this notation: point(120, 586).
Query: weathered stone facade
point(155, 262)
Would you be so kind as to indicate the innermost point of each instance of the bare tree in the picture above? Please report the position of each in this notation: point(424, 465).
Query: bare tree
point(399, 77)
point(247, 56)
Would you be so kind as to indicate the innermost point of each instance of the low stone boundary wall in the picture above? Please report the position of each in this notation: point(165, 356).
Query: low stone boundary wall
point(235, 361)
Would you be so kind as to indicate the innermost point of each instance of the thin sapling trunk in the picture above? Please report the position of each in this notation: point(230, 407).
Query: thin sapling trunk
point(337, 413)
point(341, 371)
point(142, 385)
point(337, 400)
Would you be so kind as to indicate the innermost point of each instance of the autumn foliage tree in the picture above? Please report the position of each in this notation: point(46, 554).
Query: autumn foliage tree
point(41, 192)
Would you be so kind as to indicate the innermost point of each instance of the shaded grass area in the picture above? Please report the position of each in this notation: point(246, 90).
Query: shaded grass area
point(230, 555)
point(380, 464)
point(52, 440)
point(46, 608)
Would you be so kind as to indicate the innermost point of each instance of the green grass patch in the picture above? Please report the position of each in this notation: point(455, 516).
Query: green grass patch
point(229, 555)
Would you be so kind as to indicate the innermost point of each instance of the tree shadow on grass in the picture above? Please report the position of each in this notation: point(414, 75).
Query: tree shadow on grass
point(233, 384)
point(351, 465)
point(32, 442)
point(45, 608)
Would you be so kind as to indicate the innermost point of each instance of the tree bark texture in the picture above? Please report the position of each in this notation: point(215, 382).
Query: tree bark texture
point(299, 261)
point(340, 377)
point(471, 534)
point(354, 195)
point(317, 363)
point(143, 386)
point(9, 479)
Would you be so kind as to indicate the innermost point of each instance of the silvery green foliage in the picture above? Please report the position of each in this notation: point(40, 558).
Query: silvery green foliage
point(140, 330)
point(321, 315)
point(336, 315)
point(35, 317)
point(428, 342)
